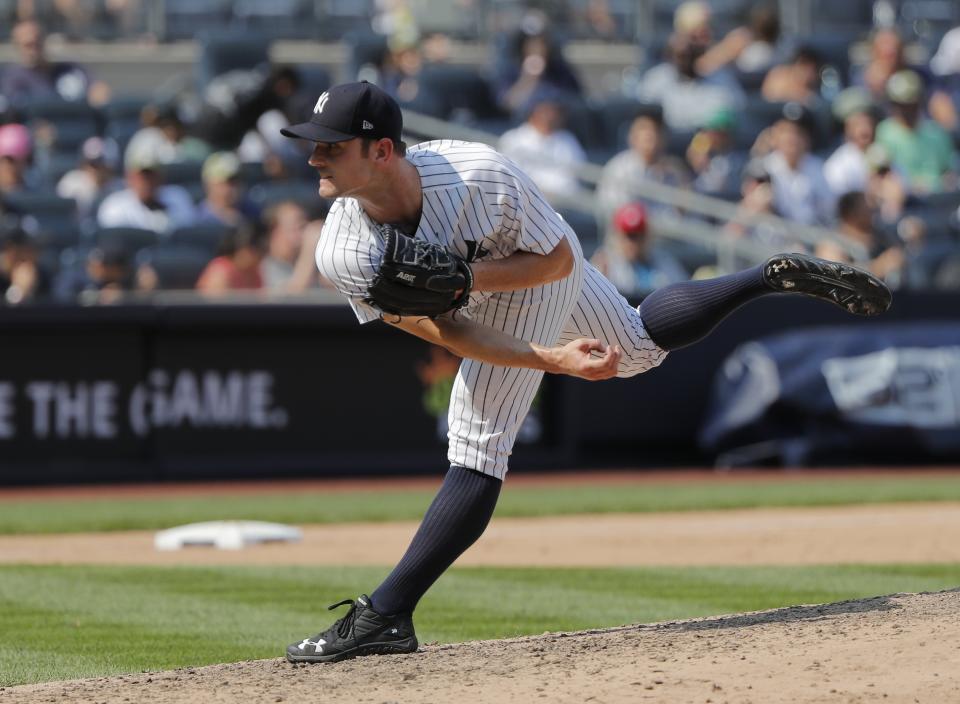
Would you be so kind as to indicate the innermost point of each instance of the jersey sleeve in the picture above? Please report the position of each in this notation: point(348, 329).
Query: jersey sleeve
point(349, 261)
point(535, 224)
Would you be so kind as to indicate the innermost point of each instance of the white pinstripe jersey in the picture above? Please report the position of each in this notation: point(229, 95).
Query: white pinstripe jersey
point(482, 206)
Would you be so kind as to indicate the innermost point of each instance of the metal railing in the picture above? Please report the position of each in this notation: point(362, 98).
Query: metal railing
point(692, 230)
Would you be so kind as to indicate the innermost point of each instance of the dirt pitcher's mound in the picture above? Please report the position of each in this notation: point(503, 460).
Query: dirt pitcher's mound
point(900, 648)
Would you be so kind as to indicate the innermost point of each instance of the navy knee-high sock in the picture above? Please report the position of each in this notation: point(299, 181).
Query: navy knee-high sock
point(458, 516)
point(680, 314)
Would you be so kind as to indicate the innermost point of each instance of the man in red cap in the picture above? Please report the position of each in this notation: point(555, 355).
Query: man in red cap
point(630, 257)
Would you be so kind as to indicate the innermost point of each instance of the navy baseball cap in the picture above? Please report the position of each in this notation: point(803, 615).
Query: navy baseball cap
point(351, 110)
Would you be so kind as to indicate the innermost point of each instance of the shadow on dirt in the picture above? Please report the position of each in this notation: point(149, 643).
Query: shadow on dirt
point(785, 615)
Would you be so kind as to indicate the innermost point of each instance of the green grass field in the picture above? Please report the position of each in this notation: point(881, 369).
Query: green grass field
point(70, 622)
point(59, 622)
point(67, 515)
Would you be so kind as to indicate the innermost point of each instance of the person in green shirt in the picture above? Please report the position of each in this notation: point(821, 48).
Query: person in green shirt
point(920, 148)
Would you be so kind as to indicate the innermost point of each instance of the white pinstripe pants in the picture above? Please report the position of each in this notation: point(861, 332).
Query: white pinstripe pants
point(488, 402)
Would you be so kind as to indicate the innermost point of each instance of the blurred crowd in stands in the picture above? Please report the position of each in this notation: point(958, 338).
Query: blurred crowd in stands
point(852, 128)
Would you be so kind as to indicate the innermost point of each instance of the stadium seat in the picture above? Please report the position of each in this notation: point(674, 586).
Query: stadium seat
point(617, 113)
point(336, 19)
point(8, 17)
point(364, 48)
point(183, 172)
point(584, 223)
point(460, 20)
point(290, 19)
point(584, 123)
point(177, 266)
point(314, 78)
point(184, 19)
point(833, 48)
point(221, 52)
point(124, 108)
point(51, 212)
point(205, 238)
point(830, 15)
point(270, 193)
point(944, 201)
point(459, 91)
point(251, 172)
point(131, 239)
point(58, 239)
point(71, 121)
point(73, 257)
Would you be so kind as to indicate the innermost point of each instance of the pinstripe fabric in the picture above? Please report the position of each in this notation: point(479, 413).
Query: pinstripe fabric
point(477, 202)
point(602, 312)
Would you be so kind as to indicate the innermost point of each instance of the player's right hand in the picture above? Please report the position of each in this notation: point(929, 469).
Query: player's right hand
point(589, 359)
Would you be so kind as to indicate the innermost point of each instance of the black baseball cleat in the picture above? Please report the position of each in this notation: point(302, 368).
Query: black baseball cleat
point(848, 287)
point(362, 631)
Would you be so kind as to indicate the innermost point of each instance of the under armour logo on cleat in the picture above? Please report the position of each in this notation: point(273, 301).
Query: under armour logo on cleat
point(316, 645)
point(393, 631)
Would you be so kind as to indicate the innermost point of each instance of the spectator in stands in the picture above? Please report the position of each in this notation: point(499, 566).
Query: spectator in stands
point(885, 190)
point(886, 58)
point(249, 108)
point(855, 222)
point(945, 102)
point(106, 275)
point(757, 201)
point(688, 99)
point(644, 160)
point(289, 266)
point(597, 21)
point(800, 191)
point(750, 48)
point(691, 20)
point(225, 202)
point(21, 278)
point(146, 203)
point(797, 80)
point(715, 164)
point(165, 134)
point(920, 148)
point(546, 151)
point(16, 153)
point(94, 177)
point(35, 76)
point(400, 70)
point(846, 169)
point(630, 257)
point(79, 17)
point(238, 264)
point(533, 62)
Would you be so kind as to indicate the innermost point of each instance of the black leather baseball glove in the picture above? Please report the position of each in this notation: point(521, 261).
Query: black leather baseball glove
point(419, 278)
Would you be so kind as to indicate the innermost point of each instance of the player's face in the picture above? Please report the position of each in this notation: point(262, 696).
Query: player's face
point(342, 168)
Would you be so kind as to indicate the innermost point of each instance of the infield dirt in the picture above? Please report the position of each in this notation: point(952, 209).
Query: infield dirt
point(900, 648)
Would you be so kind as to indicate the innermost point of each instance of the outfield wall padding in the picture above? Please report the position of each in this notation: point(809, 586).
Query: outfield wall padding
point(151, 393)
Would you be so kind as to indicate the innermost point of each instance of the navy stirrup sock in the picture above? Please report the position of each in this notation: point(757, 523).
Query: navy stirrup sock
point(680, 314)
point(458, 516)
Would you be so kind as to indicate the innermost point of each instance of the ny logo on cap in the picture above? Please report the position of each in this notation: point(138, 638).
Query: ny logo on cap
point(321, 101)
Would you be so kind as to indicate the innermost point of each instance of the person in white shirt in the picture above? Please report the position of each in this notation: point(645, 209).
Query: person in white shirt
point(95, 175)
point(545, 150)
point(146, 203)
point(846, 169)
point(800, 191)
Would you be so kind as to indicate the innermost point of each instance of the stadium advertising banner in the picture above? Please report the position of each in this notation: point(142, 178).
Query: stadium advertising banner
point(202, 392)
point(241, 391)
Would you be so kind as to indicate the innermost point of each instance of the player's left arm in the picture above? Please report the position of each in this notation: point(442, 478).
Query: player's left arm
point(523, 269)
